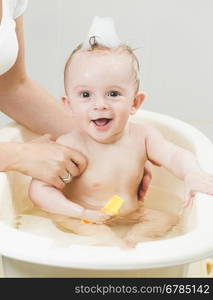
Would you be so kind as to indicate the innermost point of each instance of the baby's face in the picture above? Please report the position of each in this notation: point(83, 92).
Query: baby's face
point(101, 90)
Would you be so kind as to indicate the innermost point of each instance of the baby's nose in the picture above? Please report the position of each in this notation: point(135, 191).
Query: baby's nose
point(100, 103)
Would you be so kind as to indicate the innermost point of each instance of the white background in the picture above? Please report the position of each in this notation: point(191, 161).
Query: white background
point(174, 40)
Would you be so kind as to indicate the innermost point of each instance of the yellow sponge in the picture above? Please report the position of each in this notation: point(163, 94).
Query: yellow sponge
point(85, 222)
point(112, 207)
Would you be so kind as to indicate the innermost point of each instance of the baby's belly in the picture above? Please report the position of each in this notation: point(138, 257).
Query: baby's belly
point(98, 199)
point(94, 192)
point(129, 203)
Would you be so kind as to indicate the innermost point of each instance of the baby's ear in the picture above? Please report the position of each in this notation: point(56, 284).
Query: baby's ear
point(139, 98)
point(65, 100)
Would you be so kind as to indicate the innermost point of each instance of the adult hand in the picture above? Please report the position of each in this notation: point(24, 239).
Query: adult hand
point(49, 161)
point(144, 184)
point(146, 180)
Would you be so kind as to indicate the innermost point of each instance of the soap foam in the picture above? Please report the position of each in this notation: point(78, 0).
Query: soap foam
point(102, 32)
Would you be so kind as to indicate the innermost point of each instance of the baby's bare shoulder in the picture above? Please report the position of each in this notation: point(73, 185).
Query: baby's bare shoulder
point(141, 129)
point(70, 139)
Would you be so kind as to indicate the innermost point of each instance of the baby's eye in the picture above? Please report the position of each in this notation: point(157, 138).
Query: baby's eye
point(85, 94)
point(113, 94)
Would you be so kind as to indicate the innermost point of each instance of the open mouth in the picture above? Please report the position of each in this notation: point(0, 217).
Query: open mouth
point(101, 122)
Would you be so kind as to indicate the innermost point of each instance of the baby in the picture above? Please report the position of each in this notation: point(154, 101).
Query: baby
point(101, 85)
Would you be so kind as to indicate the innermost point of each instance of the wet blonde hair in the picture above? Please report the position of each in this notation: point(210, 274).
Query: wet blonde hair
point(95, 46)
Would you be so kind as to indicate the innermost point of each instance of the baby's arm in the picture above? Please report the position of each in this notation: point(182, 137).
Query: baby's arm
point(182, 163)
point(52, 200)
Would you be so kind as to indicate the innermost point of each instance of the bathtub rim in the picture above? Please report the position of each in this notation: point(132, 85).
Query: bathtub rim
point(139, 258)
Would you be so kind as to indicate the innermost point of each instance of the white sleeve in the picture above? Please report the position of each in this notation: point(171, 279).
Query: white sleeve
point(19, 7)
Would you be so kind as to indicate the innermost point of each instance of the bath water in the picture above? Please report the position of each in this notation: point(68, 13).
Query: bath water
point(38, 222)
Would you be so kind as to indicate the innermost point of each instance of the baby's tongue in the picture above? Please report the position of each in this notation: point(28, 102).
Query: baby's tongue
point(101, 121)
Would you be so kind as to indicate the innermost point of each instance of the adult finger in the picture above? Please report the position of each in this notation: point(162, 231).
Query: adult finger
point(72, 168)
point(79, 160)
point(146, 179)
point(58, 183)
point(144, 185)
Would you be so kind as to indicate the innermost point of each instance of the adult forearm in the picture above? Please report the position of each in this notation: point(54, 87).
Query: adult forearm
point(9, 155)
point(33, 107)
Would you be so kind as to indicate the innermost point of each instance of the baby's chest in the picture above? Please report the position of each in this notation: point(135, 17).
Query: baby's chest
point(113, 167)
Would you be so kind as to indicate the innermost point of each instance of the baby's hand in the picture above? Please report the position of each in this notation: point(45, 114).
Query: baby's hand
point(197, 182)
point(95, 216)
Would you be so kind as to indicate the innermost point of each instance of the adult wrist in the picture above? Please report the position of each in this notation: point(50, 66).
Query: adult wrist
point(10, 156)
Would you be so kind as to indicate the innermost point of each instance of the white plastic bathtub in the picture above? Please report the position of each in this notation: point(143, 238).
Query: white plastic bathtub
point(28, 252)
